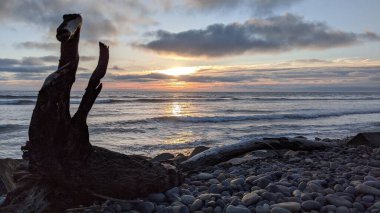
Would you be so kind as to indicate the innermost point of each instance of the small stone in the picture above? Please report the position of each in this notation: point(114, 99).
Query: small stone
point(365, 189)
point(262, 209)
point(342, 209)
point(196, 205)
point(358, 206)
point(296, 193)
point(263, 182)
point(338, 201)
point(368, 198)
point(377, 205)
point(250, 198)
point(237, 182)
point(311, 205)
point(237, 209)
point(180, 209)
point(291, 206)
point(309, 160)
point(204, 176)
point(146, 207)
point(187, 199)
point(218, 209)
point(279, 210)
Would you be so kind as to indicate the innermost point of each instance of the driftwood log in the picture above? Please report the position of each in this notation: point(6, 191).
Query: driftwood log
point(65, 170)
point(223, 153)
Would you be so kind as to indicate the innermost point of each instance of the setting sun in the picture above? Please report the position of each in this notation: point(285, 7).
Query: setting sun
point(179, 71)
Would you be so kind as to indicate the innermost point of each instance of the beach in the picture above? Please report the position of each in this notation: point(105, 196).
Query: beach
point(344, 178)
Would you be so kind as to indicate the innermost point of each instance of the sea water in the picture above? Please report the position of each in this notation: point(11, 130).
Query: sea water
point(149, 123)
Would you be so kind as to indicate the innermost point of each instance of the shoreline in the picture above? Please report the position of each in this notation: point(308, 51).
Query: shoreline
point(343, 178)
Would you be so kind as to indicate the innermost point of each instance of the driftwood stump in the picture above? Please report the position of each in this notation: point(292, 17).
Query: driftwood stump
point(65, 170)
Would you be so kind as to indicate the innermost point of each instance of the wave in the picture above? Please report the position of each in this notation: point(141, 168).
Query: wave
point(17, 102)
point(219, 119)
point(6, 128)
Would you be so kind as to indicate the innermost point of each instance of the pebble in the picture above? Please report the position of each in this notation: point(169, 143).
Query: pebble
point(365, 189)
point(146, 207)
point(196, 205)
point(311, 205)
point(338, 201)
point(279, 210)
point(187, 199)
point(291, 206)
point(237, 209)
point(204, 176)
point(250, 198)
point(180, 209)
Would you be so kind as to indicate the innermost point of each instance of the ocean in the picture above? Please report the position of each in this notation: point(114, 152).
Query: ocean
point(149, 123)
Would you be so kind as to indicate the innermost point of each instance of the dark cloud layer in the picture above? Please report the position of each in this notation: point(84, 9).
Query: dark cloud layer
point(274, 34)
point(28, 64)
point(259, 7)
point(102, 18)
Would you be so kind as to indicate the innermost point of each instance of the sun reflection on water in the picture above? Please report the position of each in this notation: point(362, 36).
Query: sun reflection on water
point(176, 109)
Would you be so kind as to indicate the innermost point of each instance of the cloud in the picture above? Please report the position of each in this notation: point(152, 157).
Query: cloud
point(28, 64)
point(270, 35)
point(101, 19)
point(258, 7)
point(38, 45)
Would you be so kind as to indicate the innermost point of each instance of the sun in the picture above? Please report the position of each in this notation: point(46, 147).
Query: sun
point(179, 71)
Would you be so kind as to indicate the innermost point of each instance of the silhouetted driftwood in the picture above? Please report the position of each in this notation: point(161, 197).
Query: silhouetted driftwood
point(223, 153)
point(65, 170)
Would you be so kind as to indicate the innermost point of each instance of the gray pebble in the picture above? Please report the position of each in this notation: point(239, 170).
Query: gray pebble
point(237, 209)
point(196, 205)
point(279, 210)
point(311, 205)
point(187, 199)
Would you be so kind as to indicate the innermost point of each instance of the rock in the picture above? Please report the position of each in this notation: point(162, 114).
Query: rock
point(187, 199)
point(237, 209)
point(145, 207)
point(204, 176)
point(250, 198)
point(262, 209)
point(375, 184)
point(366, 138)
point(365, 189)
point(291, 154)
point(311, 205)
point(198, 150)
point(291, 206)
point(342, 209)
point(368, 198)
point(328, 209)
point(338, 201)
point(358, 206)
point(163, 157)
point(180, 209)
point(237, 182)
point(279, 210)
point(218, 209)
point(309, 161)
point(196, 205)
point(263, 182)
point(173, 194)
point(156, 197)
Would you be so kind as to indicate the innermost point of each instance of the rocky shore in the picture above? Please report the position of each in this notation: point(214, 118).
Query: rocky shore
point(341, 179)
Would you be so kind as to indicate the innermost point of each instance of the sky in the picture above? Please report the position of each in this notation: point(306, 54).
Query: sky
point(200, 45)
